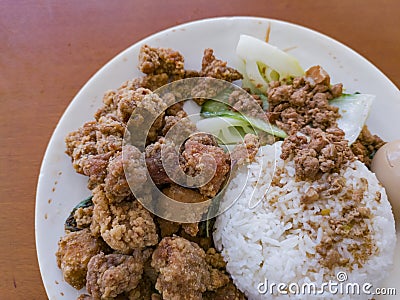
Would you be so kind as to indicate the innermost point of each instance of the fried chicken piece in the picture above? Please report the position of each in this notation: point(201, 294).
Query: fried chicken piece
point(246, 151)
point(191, 228)
point(81, 143)
point(129, 161)
point(215, 259)
point(92, 146)
point(192, 212)
point(109, 139)
point(212, 67)
point(73, 255)
point(152, 107)
point(206, 89)
point(184, 195)
point(227, 292)
point(83, 217)
point(95, 166)
point(124, 226)
point(151, 82)
point(199, 159)
point(127, 101)
point(218, 279)
point(155, 162)
point(183, 269)
point(164, 153)
point(109, 135)
point(111, 275)
point(366, 146)
point(143, 291)
point(133, 104)
point(167, 228)
point(181, 126)
point(203, 241)
point(174, 106)
point(124, 100)
point(205, 139)
point(160, 60)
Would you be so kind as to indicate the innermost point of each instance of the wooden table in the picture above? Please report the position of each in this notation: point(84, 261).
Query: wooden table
point(49, 49)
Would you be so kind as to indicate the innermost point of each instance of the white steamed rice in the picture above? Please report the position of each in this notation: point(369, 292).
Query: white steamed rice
point(263, 243)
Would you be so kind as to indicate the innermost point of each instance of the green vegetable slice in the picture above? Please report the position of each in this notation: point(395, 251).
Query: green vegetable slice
point(265, 62)
point(224, 128)
point(230, 126)
point(70, 222)
point(354, 110)
point(212, 107)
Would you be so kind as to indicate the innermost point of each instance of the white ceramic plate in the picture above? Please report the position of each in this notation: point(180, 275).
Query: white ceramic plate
point(60, 188)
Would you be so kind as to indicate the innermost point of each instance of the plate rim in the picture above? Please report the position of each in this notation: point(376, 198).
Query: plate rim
point(40, 186)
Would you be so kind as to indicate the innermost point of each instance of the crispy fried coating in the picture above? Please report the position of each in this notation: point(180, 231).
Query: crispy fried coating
point(73, 255)
point(160, 60)
point(227, 292)
point(183, 269)
point(113, 274)
point(124, 226)
point(366, 145)
point(201, 157)
point(124, 168)
point(212, 67)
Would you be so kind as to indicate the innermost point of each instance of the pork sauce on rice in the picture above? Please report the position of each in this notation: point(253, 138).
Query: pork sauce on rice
point(284, 240)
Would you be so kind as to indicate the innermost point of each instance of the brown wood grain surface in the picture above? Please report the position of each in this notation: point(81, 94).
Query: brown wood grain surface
point(49, 49)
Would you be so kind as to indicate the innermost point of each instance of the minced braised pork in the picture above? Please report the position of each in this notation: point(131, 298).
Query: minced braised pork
point(316, 152)
point(304, 102)
point(352, 225)
point(73, 255)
